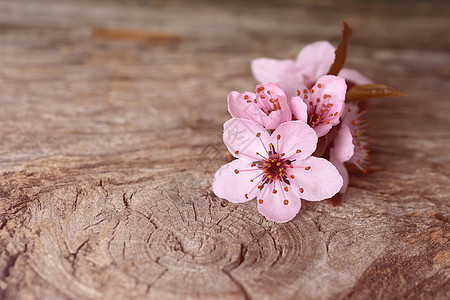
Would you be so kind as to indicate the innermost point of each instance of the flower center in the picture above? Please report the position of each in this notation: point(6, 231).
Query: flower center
point(274, 171)
point(274, 168)
point(313, 120)
point(319, 107)
point(265, 101)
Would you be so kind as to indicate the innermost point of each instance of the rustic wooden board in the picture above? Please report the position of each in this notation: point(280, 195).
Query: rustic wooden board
point(111, 116)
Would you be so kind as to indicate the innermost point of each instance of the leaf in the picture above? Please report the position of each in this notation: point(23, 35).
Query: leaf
point(341, 51)
point(229, 156)
point(365, 91)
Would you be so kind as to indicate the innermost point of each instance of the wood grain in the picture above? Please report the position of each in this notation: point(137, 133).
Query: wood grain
point(111, 118)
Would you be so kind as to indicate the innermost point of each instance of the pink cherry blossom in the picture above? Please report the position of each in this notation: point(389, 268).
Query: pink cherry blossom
point(277, 169)
point(313, 61)
point(351, 143)
point(320, 106)
point(268, 107)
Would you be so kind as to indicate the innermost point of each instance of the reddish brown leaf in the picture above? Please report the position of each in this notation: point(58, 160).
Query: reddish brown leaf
point(366, 91)
point(341, 51)
point(229, 156)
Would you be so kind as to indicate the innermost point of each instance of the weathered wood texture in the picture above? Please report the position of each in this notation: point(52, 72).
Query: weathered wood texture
point(110, 123)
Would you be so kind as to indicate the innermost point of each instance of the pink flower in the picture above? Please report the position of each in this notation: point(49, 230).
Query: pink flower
point(320, 106)
point(278, 169)
point(351, 143)
point(313, 61)
point(268, 107)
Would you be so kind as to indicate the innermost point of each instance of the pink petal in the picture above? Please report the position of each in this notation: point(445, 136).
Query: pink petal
point(271, 91)
point(278, 92)
point(343, 148)
point(233, 187)
point(318, 178)
point(322, 129)
point(314, 60)
point(299, 109)
point(293, 136)
point(273, 207)
point(337, 108)
point(271, 70)
point(344, 173)
point(290, 87)
point(236, 104)
point(335, 89)
point(354, 76)
point(274, 119)
point(239, 107)
point(240, 137)
point(333, 86)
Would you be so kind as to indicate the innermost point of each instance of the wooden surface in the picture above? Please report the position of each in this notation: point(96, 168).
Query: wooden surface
point(110, 122)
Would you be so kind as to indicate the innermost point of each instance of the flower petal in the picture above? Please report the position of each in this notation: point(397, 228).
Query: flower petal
point(242, 105)
point(317, 178)
point(272, 98)
point(240, 137)
point(299, 109)
point(343, 148)
point(322, 129)
point(236, 103)
point(234, 186)
point(294, 136)
point(354, 76)
point(274, 119)
point(291, 87)
point(273, 206)
point(276, 92)
point(332, 86)
point(314, 60)
point(269, 69)
point(329, 90)
point(344, 173)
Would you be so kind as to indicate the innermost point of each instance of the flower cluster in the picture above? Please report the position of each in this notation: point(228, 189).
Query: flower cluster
point(293, 137)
